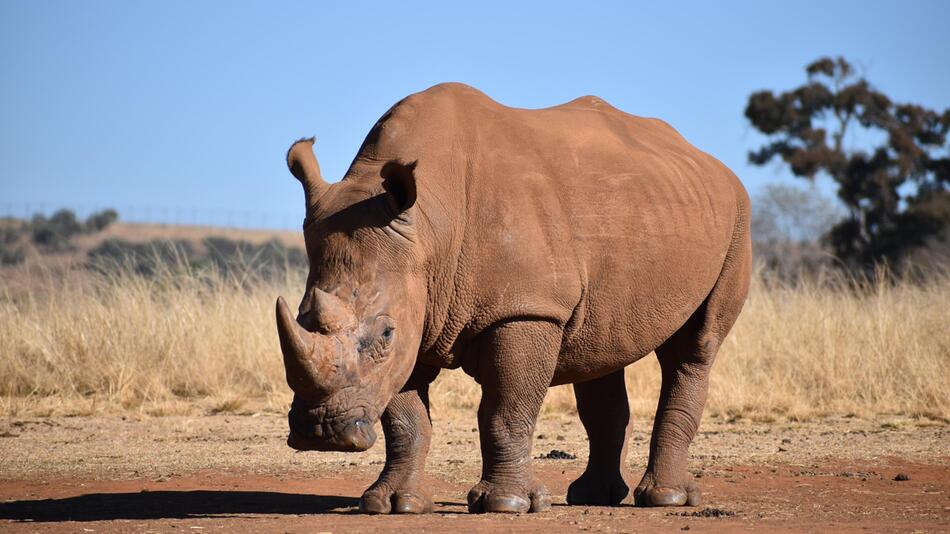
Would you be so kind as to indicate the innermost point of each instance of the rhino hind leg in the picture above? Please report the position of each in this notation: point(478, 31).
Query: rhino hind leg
point(685, 378)
point(685, 361)
point(516, 362)
point(605, 412)
point(408, 431)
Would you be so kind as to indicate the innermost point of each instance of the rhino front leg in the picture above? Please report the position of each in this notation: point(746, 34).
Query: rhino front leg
point(515, 365)
point(408, 431)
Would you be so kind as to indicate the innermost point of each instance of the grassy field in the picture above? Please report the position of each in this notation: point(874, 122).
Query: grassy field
point(195, 342)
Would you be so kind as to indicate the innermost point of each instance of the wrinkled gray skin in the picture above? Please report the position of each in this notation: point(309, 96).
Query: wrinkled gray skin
point(530, 248)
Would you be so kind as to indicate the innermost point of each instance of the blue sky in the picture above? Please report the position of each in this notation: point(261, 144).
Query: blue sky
point(179, 107)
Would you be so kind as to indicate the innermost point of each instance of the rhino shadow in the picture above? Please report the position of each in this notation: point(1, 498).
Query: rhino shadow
point(173, 505)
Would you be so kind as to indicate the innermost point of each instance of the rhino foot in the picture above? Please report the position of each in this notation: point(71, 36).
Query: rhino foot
point(648, 493)
point(491, 497)
point(598, 490)
point(386, 500)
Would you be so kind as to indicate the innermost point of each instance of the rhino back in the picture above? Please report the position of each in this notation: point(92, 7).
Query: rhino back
point(608, 224)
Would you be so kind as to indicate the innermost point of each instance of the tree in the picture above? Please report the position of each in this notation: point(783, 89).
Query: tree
point(787, 225)
point(895, 191)
point(783, 213)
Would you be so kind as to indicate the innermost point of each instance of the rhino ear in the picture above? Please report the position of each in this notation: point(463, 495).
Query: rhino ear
point(399, 181)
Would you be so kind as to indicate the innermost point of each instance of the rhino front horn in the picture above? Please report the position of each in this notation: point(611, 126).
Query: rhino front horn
point(298, 346)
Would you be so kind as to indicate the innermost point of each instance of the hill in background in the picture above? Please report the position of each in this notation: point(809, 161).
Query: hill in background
point(62, 246)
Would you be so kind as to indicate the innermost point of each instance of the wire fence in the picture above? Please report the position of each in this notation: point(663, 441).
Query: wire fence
point(177, 215)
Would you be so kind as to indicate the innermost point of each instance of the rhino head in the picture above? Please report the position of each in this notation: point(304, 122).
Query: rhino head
point(354, 340)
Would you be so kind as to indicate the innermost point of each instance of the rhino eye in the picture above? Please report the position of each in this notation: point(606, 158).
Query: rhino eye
point(376, 344)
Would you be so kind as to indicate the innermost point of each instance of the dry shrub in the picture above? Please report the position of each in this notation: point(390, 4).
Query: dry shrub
point(832, 345)
point(186, 342)
point(838, 347)
point(133, 342)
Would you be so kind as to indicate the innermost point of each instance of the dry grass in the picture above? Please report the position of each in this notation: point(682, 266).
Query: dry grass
point(163, 345)
point(192, 342)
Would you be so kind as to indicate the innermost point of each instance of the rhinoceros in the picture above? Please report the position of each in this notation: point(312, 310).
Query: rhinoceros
point(531, 248)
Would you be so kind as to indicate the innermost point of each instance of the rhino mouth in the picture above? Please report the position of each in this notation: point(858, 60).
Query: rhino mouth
point(351, 433)
point(356, 436)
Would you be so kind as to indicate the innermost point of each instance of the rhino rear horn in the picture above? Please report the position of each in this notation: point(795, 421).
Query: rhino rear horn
point(331, 314)
point(303, 165)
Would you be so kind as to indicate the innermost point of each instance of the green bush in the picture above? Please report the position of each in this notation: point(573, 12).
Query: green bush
point(12, 251)
point(98, 221)
point(54, 234)
point(11, 255)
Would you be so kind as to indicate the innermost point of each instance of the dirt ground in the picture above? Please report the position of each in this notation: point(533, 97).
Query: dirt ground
point(234, 473)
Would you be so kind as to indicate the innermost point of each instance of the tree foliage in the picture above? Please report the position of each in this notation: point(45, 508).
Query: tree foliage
point(895, 189)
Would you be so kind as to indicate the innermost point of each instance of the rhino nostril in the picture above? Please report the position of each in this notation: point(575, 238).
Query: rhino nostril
point(358, 431)
point(359, 435)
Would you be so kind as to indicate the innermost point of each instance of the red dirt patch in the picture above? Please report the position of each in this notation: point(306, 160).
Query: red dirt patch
point(840, 497)
point(234, 473)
